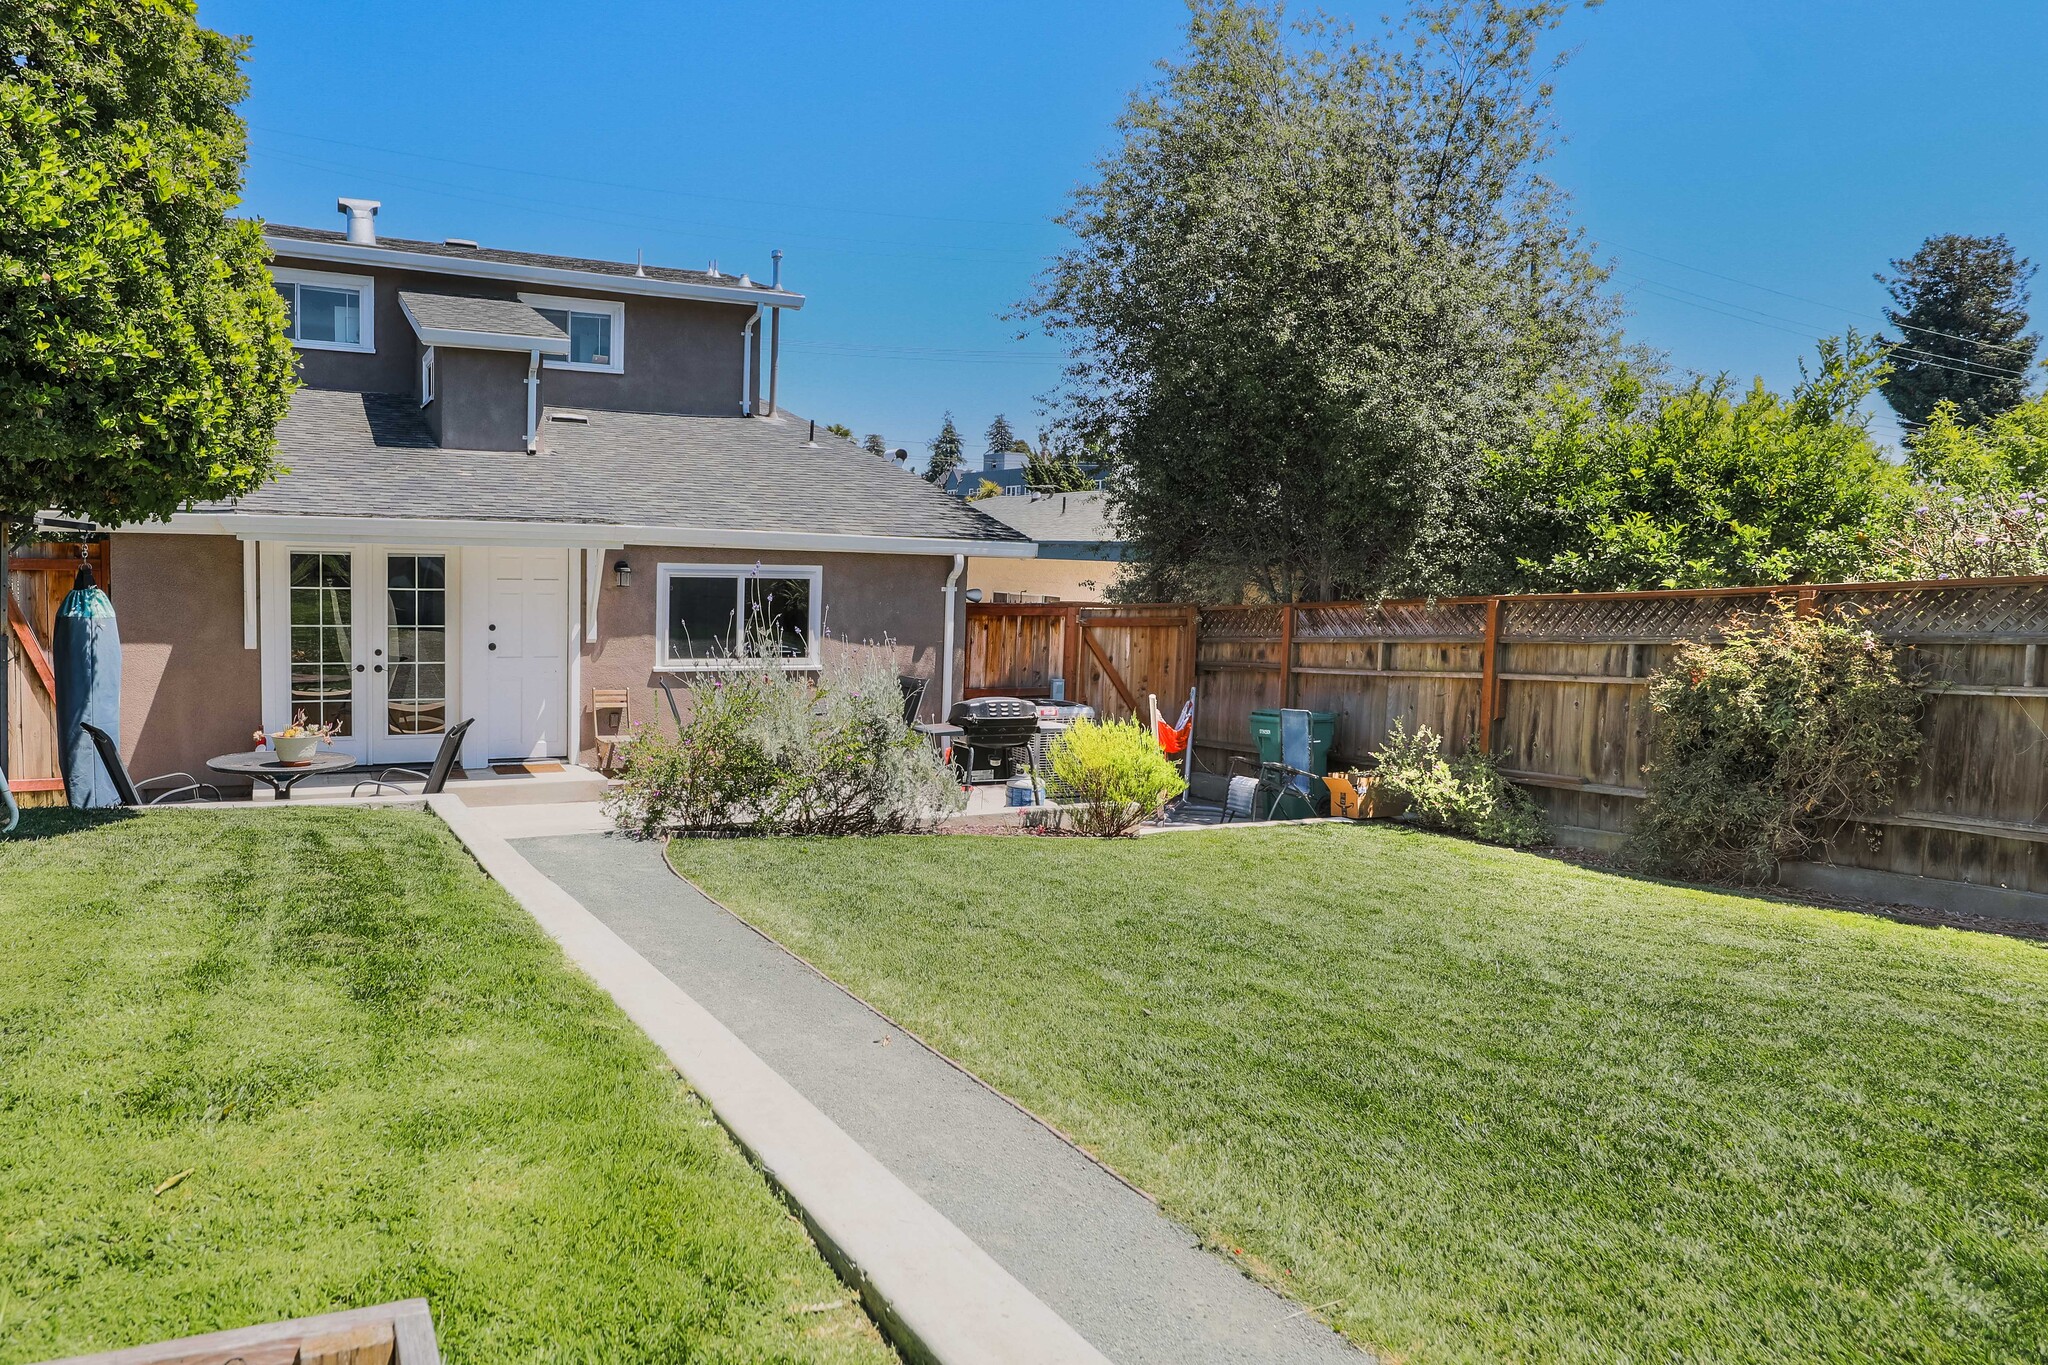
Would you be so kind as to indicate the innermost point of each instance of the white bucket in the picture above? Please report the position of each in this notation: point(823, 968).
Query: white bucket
point(1021, 791)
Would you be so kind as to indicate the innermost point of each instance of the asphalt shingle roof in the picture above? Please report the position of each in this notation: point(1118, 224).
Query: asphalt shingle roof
point(455, 312)
point(370, 454)
point(539, 260)
point(1082, 517)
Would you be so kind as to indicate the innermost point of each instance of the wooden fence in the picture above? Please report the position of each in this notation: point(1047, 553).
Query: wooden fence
point(1556, 685)
point(1107, 656)
point(39, 576)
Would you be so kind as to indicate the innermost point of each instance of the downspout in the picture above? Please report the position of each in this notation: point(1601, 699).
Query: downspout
point(532, 401)
point(774, 336)
point(946, 668)
point(747, 365)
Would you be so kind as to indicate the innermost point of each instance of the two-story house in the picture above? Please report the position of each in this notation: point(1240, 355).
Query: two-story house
point(513, 478)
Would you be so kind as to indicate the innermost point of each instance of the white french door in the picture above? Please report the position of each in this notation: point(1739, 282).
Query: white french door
point(367, 646)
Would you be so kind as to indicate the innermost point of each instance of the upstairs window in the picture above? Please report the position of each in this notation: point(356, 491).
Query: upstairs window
point(596, 328)
point(326, 312)
point(706, 614)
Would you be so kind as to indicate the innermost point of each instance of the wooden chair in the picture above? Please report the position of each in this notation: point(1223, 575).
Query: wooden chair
point(619, 702)
point(390, 1334)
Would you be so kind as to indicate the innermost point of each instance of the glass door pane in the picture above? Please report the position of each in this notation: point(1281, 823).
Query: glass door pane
point(416, 634)
point(322, 602)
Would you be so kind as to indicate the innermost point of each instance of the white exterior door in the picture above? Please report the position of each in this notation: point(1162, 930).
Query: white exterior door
point(526, 653)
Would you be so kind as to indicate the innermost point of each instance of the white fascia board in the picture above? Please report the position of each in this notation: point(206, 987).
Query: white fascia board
point(584, 535)
point(460, 339)
point(352, 254)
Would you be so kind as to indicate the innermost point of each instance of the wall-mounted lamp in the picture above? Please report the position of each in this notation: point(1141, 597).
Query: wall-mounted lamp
point(622, 574)
point(974, 594)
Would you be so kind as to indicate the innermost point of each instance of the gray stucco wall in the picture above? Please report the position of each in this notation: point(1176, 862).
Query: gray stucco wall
point(479, 399)
point(681, 355)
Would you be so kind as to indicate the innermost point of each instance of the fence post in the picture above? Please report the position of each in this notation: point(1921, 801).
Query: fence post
point(1070, 650)
point(1806, 602)
point(1489, 678)
point(1287, 655)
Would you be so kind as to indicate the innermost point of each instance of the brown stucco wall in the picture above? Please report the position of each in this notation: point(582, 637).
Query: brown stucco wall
point(868, 599)
point(682, 355)
point(1069, 580)
point(188, 688)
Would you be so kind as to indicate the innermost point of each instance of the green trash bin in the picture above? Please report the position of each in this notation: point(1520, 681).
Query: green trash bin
point(1322, 729)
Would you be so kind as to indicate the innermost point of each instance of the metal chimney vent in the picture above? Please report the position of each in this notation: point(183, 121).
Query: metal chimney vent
point(362, 220)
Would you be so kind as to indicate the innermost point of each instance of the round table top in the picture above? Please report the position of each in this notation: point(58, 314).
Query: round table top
point(264, 763)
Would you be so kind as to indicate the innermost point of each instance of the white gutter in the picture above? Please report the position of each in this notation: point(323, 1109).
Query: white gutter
point(747, 364)
point(946, 666)
point(532, 400)
point(395, 259)
point(584, 534)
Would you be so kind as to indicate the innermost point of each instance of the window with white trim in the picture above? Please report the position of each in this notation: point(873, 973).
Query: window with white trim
point(596, 328)
point(326, 312)
point(708, 614)
point(426, 376)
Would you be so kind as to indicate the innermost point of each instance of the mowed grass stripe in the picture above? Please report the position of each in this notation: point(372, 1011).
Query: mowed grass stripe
point(1485, 1105)
point(385, 1082)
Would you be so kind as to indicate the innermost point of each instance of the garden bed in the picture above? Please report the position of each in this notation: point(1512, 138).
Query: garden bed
point(1472, 1105)
point(260, 1065)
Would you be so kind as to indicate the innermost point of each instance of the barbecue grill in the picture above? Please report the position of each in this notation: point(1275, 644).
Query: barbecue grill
point(996, 731)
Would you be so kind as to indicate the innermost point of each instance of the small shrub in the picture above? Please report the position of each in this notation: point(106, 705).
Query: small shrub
point(1969, 533)
point(766, 751)
point(1463, 795)
point(1115, 773)
point(1762, 739)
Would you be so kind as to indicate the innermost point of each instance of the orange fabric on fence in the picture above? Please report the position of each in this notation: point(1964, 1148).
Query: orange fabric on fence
point(1174, 739)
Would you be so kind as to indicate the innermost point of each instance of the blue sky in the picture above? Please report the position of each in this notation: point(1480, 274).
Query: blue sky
point(1746, 166)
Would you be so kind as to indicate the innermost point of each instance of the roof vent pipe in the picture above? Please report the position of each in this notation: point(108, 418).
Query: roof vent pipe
point(362, 220)
point(775, 280)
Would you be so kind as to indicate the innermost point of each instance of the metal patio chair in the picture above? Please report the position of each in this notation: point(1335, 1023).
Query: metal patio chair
point(1276, 783)
point(127, 788)
point(436, 777)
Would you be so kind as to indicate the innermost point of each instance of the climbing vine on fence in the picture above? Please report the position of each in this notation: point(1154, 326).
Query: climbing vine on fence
point(1764, 736)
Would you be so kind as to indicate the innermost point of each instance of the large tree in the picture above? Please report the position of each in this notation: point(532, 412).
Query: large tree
point(1316, 281)
point(143, 363)
point(1960, 306)
point(1645, 484)
point(998, 442)
point(945, 448)
point(874, 445)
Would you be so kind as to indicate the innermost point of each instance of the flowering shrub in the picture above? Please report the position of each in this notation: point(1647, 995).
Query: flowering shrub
point(1981, 533)
point(1761, 739)
point(1464, 795)
point(764, 750)
point(1115, 774)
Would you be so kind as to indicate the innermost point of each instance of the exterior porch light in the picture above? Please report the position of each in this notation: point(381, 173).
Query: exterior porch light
point(622, 573)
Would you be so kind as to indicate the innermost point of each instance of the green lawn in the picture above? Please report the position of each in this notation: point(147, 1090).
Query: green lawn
point(1474, 1105)
point(384, 1081)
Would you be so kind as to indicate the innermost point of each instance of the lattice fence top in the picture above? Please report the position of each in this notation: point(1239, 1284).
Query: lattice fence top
point(1623, 618)
point(1970, 613)
point(1241, 623)
point(1391, 621)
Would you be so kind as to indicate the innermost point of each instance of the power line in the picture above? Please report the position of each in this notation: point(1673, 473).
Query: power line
point(1818, 303)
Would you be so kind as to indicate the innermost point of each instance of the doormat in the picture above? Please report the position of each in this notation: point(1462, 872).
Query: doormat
point(521, 769)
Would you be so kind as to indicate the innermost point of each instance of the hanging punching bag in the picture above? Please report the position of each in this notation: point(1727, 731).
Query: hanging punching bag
point(86, 646)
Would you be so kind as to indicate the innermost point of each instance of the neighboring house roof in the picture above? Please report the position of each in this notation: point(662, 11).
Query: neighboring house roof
point(728, 480)
point(492, 262)
point(1065, 525)
point(451, 319)
point(966, 480)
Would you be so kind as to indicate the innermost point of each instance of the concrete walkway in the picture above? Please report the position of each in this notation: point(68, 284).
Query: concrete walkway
point(1131, 1281)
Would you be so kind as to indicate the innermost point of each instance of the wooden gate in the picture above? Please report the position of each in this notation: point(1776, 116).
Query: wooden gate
point(39, 575)
point(1110, 657)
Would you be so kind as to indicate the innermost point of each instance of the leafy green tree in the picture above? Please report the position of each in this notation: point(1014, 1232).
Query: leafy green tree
point(945, 448)
point(840, 429)
point(874, 445)
point(1057, 471)
point(1960, 304)
point(987, 488)
point(2009, 450)
point(143, 363)
point(1317, 280)
point(1645, 485)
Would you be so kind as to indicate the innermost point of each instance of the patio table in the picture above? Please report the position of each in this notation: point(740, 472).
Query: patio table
point(263, 766)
